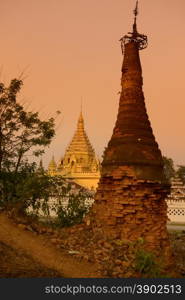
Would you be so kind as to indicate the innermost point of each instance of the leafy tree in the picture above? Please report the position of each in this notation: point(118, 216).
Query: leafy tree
point(23, 189)
point(22, 133)
point(181, 172)
point(169, 167)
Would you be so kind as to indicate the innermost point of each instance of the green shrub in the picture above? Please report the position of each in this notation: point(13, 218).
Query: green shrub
point(146, 264)
point(74, 212)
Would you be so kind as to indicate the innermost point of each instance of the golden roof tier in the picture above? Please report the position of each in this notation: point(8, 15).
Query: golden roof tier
point(52, 166)
point(80, 162)
point(80, 141)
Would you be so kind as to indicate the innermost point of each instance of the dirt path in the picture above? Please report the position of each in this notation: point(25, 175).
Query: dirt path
point(40, 250)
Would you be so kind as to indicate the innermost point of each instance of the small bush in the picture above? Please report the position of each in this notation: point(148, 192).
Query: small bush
point(146, 264)
point(74, 212)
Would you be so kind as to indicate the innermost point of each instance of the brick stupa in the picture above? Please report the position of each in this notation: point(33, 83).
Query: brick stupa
point(130, 199)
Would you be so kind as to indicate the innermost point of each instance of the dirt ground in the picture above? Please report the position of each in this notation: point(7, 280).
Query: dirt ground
point(15, 264)
point(28, 253)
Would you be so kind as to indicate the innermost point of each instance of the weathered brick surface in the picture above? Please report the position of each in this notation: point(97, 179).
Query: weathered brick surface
point(130, 200)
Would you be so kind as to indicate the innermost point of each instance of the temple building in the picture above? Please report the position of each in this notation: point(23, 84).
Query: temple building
point(130, 199)
point(79, 163)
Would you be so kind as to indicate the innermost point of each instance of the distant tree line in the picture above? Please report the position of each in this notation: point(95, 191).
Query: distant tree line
point(170, 171)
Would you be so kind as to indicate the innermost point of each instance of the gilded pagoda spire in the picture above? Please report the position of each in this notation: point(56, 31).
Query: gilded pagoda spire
point(80, 124)
point(52, 166)
point(80, 141)
point(52, 163)
point(79, 162)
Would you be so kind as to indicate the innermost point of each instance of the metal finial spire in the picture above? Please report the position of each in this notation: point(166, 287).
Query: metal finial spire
point(135, 14)
point(81, 104)
point(134, 36)
point(136, 9)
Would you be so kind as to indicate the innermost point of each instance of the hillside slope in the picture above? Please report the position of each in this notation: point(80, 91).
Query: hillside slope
point(27, 254)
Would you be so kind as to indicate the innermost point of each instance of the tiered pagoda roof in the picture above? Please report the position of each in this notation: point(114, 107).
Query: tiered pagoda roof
point(52, 164)
point(80, 141)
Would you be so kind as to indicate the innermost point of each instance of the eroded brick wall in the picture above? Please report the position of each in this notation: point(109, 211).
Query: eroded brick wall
point(128, 209)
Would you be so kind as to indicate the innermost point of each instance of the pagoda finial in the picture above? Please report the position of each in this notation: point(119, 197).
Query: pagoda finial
point(80, 124)
point(135, 18)
point(136, 9)
point(81, 105)
point(134, 36)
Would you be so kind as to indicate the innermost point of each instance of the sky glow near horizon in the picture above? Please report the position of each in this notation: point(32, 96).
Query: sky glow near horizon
point(69, 51)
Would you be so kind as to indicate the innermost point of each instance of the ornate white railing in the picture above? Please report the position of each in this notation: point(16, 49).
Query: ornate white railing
point(176, 210)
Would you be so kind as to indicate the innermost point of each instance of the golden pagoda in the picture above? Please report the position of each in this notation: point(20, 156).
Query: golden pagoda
point(79, 162)
point(52, 168)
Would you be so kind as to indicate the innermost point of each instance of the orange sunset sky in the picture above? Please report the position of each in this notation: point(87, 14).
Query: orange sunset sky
point(69, 50)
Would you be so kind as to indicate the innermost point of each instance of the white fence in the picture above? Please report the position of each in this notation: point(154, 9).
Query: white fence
point(176, 210)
